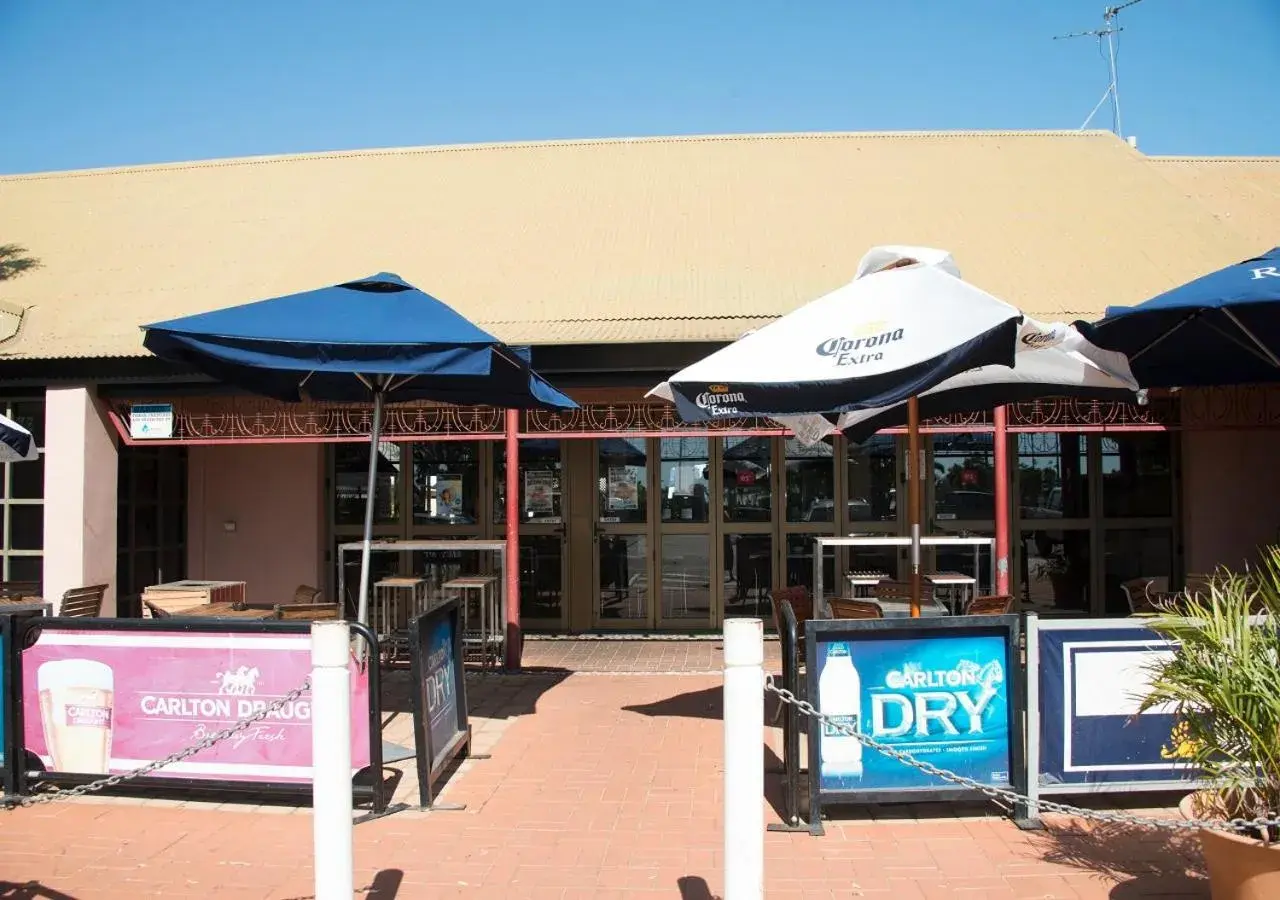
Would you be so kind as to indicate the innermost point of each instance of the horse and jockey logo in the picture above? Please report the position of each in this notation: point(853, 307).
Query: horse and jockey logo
point(242, 682)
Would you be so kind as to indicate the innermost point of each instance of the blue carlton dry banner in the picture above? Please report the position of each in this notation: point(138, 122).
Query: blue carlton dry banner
point(439, 686)
point(943, 698)
point(1092, 681)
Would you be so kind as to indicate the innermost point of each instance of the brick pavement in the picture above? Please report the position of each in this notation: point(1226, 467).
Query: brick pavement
point(612, 790)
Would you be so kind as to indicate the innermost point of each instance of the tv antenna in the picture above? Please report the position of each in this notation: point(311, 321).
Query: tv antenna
point(1110, 28)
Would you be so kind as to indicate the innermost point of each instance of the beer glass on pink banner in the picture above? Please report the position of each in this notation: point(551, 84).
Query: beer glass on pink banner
point(76, 700)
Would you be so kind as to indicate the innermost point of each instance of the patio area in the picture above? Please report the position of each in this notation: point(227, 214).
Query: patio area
point(599, 786)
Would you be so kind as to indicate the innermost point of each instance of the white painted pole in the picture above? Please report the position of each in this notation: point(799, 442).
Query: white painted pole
point(331, 760)
point(743, 759)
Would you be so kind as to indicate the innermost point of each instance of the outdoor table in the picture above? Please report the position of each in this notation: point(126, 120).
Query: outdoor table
point(225, 611)
point(26, 604)
point(956, 586)
point(862, 581)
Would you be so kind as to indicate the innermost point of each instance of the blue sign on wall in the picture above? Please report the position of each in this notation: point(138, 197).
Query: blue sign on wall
point(1092, 681)
point(944, 698)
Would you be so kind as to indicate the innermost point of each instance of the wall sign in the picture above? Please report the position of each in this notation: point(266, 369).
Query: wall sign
point(151, 421)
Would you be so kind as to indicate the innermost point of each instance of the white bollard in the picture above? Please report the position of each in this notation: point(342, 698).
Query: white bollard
point(331, 760)
point(743, 759)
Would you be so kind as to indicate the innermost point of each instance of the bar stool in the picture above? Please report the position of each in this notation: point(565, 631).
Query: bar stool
point(395, 599)
point(479, 590)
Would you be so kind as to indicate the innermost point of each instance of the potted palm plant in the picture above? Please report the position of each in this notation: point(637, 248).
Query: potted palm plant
point(1223, 683)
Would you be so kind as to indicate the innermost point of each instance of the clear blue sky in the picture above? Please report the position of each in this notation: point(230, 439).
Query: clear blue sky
point(111, 82)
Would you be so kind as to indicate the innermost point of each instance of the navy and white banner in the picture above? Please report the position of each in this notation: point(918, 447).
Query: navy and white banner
point(1092, 682)
point(944, 698)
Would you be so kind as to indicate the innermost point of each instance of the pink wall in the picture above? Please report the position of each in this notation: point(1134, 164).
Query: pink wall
point(273, 493)
point(80, 469)
point(1230, 495)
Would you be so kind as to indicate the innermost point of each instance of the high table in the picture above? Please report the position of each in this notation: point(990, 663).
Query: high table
point(820, 605)
point(26, 604)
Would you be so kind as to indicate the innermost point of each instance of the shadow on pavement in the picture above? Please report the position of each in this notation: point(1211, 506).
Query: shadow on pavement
point(693, 887)
point(30, 890)
point(386, 884)
point(1145, 863)
point(705, 704)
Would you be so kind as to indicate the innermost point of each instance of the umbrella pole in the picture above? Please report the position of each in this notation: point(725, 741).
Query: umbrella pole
point(915, 481)
point(375, 436)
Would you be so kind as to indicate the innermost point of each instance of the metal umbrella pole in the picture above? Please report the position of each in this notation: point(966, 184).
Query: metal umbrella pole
point(375, 436)
point(915, 485)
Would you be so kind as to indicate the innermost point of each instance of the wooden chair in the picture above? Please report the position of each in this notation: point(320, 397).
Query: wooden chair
point(855, 609)
point(310, 612)
point(83, 602)
point(157, 612)
point(992, 605)
point(305, 593)
point(1142, 593)
point(900, 592)
point(19, 588)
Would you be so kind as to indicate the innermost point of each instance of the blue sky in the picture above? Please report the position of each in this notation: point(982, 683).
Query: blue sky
point(112, 82)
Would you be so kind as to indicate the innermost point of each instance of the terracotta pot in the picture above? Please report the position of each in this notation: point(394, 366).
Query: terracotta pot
point(1240, 868)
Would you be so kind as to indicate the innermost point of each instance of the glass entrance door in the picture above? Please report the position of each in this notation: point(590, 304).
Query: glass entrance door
point(624, 552)
point(684, 533)
point(542, 505)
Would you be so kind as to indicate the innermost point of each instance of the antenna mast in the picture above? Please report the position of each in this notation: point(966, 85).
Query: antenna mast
point(1110, 28)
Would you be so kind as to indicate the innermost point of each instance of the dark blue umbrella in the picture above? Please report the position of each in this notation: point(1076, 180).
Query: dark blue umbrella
point(379, 338)
point(1222, 328)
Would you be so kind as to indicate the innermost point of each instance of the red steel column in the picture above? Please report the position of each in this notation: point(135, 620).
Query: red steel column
point(514, 637)
point(1002, 478)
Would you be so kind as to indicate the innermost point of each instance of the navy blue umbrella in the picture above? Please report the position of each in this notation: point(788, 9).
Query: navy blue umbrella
point(1222, 328)
point(379, 338)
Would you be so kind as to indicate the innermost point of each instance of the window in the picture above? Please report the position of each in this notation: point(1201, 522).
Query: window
point(446, 483)
point(872, 480)
point(810, 482)
point(22, 494)
point(1137, 475)
point(748, 496)
point(963, 477)
point(541, 485)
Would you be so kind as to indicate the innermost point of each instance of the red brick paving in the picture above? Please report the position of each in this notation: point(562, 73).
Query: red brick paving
point(611, 790)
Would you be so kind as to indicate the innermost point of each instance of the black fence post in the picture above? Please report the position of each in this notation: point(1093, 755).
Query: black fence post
point(790, 723)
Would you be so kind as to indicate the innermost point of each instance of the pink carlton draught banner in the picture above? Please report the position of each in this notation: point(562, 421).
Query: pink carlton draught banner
point(106, 702)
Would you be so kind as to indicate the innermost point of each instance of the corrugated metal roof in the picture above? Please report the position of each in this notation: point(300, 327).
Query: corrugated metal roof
point(657, 239)
point(1243, 192)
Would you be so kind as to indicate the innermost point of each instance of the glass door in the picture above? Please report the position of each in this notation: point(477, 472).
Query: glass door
point(960, 502)
point(624, 549)
point(542, 506)
point(684, 533)
point(746, 525)
point(873, 483)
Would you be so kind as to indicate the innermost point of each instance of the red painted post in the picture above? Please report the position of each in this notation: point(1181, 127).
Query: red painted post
point(1002, 479)
point(515, 637)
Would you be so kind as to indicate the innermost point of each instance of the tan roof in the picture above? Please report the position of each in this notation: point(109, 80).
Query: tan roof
point(693, 238)
point(1243, 192)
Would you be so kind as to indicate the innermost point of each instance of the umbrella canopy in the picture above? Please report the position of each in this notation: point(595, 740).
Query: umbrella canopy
point(378, 338)
point(1222, 328)
point(391, 335)
point(16, 443)
point(904, 324)
point(1066, 365)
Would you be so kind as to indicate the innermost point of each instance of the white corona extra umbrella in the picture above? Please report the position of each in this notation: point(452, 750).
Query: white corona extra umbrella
point(16, 443)
point(904, 326)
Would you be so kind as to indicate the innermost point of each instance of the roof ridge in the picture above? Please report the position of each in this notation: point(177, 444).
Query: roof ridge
point(508, 146)
point(1216, 159)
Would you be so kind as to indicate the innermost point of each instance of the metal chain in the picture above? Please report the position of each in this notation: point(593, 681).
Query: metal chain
point(1010, 796)
point(10, 803)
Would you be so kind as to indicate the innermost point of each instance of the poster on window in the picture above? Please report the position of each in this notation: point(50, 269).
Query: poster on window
point(448, 496)
point(624, 487)
point(540, 488)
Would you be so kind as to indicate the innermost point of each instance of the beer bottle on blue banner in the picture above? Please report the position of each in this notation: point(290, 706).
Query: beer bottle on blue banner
point(840, 699)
